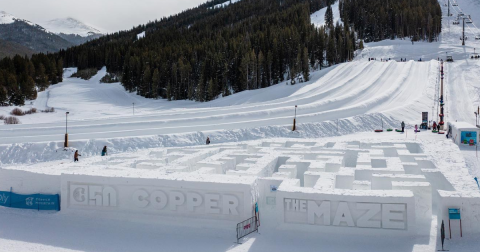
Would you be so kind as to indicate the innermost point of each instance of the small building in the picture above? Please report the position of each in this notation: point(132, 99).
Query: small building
point(462, 132)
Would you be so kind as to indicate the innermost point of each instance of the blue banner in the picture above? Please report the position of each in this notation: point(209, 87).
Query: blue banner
point(32, 201)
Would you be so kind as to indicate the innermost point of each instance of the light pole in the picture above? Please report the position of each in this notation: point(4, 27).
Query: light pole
point(295, 119)
point(66, 129)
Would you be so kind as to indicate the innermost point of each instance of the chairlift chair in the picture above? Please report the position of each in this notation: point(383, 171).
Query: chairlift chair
point(477, 37)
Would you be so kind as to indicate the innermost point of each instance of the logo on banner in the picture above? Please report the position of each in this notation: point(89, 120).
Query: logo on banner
point(93, 195)
point(29, 201)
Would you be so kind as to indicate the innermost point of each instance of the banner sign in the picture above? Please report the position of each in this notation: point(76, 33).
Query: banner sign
point(32, 201)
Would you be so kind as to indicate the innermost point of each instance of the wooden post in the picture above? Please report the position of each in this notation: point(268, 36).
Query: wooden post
point(66, 141)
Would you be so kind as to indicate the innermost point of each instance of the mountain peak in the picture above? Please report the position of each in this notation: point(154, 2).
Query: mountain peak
point(6, 18)
point(70, 25)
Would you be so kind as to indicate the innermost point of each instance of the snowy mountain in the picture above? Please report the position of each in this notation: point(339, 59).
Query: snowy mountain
point(24, 33)
point(70, 26)
point(72, 30)
point(6, 18)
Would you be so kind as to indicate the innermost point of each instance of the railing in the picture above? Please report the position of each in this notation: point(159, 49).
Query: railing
point(247, 227)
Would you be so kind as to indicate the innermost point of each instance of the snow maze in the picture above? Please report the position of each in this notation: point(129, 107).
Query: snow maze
point(386, 187)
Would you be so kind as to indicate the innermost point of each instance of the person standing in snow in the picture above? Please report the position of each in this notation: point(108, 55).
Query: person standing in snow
point(434, 125)
point(104, 151)
point(208, 140)
point(416, 128)
point(403, 126)
point(438, 127)
point(75, 156)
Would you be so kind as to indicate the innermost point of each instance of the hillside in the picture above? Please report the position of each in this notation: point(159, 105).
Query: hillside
point(10, 49)
point(218, 49)
point(211, 51)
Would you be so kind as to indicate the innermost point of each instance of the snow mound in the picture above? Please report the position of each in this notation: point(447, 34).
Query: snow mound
point(318, 18)
point(141, 35)
point(70, 26)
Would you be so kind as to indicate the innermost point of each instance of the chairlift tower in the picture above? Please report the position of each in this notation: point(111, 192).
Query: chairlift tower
point(463, 38)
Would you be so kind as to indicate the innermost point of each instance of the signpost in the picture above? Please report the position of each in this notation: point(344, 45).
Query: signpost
point(454, 214)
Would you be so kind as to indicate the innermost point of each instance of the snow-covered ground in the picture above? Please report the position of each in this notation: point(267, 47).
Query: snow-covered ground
point(225, 4)
point(342, 103)
point(318, 18)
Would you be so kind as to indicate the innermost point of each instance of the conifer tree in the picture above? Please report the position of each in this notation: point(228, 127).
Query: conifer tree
point(329, 16)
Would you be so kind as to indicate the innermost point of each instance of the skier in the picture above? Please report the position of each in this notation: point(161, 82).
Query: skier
point(403, 126)
point(104, 151)
point(75, 156)
point(434, 125)
point(438, 127)
point(208, 140)
point(416, 128)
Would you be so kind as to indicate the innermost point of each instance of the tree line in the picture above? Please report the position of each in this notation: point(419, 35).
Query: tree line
point(376, 20)
point(205, 53)
point(216, 52)
point(22, 77)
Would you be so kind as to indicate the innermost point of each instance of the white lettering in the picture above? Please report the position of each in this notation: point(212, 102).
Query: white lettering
point(3, 199)
point(319, 211)
point(343, 215)
point(230, 204)
point(139, 198)
point(303, 206)
point(193, 200)
point(393, 216)
point(288, 202)
point(366, 219)
point(211, 203)
point(159, 199)
point(176, 199)
point(109, 197)
point(95, 196)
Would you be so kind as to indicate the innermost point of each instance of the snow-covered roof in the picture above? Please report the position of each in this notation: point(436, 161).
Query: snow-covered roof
point(462, 126)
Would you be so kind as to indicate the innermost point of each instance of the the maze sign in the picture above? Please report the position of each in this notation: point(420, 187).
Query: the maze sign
point(347, 214)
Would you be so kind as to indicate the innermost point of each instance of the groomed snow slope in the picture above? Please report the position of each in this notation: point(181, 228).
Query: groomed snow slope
point(397, 89)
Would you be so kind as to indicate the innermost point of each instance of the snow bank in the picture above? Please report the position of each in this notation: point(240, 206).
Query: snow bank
point(26, 153)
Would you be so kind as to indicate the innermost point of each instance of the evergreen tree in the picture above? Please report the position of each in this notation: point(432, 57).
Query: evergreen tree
point(155, 83)
point(329, 16)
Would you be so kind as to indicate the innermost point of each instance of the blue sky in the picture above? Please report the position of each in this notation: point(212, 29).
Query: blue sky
point(106, 15)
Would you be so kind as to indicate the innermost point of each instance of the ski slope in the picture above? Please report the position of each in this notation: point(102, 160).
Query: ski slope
point(345, 91)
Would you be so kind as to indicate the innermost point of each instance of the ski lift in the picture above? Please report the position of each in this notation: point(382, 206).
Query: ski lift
point(456, 22)
point(477, 37)
point(454, 4)
point(460, 14)
point(469, 21)
point(465, 38)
